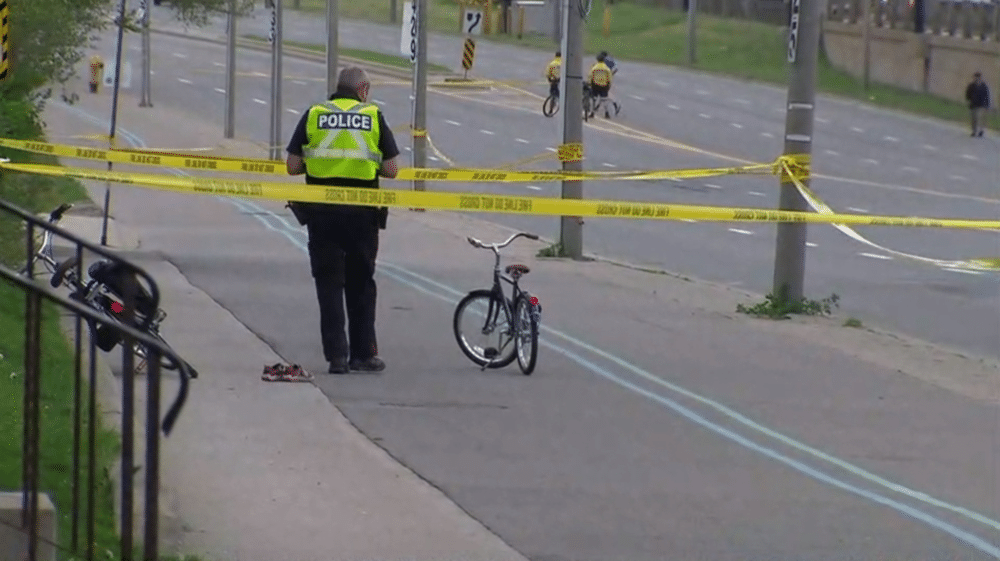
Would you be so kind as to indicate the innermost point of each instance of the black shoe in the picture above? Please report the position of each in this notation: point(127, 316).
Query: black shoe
point(338, 367)
point(980, 133)
point(373, 364)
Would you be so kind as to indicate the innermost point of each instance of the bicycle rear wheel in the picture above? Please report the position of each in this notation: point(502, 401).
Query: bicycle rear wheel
point(526, 334)
point(550, 106)
point(483, 329)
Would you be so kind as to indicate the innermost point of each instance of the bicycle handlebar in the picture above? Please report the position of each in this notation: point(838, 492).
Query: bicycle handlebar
point(496, 246)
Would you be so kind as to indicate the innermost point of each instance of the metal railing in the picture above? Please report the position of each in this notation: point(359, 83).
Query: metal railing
point(130, 330)
point(977, 20)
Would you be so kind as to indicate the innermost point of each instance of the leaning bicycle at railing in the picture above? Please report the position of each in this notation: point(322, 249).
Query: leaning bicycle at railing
point(103, 289)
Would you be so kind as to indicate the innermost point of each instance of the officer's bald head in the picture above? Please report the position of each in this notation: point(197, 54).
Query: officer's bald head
point(356, 80)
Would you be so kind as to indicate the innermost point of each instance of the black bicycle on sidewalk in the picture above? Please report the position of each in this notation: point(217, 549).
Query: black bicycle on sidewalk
point(492, 328)
point(103, 289)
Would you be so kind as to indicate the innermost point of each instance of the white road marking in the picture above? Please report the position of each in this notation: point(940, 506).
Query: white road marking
point(551, 149)
point(856, 209)
point(831, 152)
point(178, 55)
point(637, 97)
point(738, 231)
point(455, 123)
point(963, 271)
point(910, 168)
point(687, 220)
point(220, 90)
point(260, 101)
point(522, 141)
point(674, 179)
point(810, 244)
point(870, 161)
point(293, 111)
point(219, 64)
point(969, 157)
point(533, 188)
point(856, 129)
point(736, 125)
point(152, 73)
point(743, 101)
point(184, 81)
point(767, 134)
point(890, 138)
point(929, 147)
point(607, 165)
point(300, 82)
point(876, 256)
point(704, 116)
point(822, 120)
point(484, 131)
point(379, 101)
point(701, 92)
point(674, 107)
point(408, 149)
point(958, 177)
point(433, 159)
point(757, 194)
point(712, 186)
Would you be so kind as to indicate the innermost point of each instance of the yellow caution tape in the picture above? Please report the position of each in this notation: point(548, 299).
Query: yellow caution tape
point(150, 158)
point(571, 152)
point(476, 202)
point(982, 264)
point(276, 167)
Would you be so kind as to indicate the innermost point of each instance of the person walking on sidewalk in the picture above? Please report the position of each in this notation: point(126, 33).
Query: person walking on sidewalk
point(977, 93)
point(344, 142)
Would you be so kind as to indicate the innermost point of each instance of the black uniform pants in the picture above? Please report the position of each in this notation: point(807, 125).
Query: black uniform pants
point(342, 252)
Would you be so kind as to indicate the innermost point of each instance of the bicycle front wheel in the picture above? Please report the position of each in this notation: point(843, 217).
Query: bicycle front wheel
point(484, 330)
point(526, 334)
point(550, 106)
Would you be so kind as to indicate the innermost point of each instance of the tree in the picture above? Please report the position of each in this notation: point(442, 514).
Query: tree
point(48, 38)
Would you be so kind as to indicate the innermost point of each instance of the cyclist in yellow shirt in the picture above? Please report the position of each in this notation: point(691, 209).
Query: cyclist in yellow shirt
point(600, 81)
point(552, 74)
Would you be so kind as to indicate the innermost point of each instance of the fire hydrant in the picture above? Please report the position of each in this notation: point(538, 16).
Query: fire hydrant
point(96, 71)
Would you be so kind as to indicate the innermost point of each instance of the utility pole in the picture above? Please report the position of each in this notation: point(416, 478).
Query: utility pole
point(803, 49)
point(571, 77)
point(107, 186)
point(866, 31)
point(275, 143)
point(145, 100)
point(229, 125)
point(331, 45)
point(692, 15)
point(420, 95)
point(392, 11)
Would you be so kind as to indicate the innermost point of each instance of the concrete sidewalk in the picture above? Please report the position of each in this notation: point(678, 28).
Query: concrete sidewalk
point(257, 470)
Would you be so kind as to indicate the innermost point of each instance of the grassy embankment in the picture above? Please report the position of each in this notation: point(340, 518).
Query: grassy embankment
point(37, 193)
point(738, 48)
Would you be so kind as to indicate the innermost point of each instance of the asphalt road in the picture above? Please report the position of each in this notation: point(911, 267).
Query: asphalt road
point(592, 461)
point(866, 161)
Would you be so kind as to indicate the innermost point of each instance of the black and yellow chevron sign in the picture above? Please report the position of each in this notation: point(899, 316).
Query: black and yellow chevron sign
point(467, 57)
point(4, 39)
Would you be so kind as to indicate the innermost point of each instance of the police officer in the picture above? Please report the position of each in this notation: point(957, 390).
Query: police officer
point(344, 142)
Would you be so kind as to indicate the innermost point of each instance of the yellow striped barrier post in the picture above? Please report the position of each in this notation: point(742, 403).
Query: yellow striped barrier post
point(4, 39)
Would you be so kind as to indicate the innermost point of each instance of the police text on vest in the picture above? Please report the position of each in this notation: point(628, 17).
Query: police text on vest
point(352, 121)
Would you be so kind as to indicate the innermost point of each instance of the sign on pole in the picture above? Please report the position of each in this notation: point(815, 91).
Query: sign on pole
point(793, 31)
point(408, 37)
point(473, 21)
